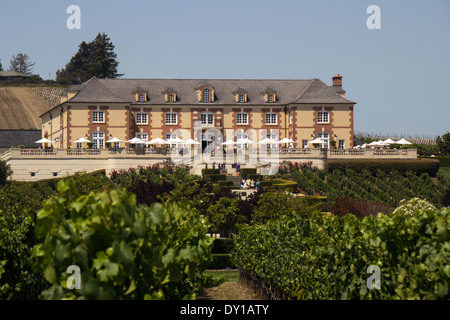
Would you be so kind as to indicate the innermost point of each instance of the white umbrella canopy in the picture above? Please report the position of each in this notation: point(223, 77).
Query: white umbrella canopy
point(389, 141)
point(227, 143)
point(246, 140)
point(81, 140)
point(286, 140)
point(157, 141)
point(44, 140)
point(175, 140)
point(191, 141)
point(114, 140)
point(318, 140)
point(136, 141)
point(403, 141)
point(268, 141)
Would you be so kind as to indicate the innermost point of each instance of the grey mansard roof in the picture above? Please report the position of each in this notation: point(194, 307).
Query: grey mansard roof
point(287, 91)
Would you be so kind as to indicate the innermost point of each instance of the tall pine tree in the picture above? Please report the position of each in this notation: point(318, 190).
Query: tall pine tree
point(93, 59)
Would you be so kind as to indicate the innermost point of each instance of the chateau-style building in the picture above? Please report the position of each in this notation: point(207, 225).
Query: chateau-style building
point(100, 109)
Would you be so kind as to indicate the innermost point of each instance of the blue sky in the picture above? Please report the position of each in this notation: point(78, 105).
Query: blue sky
point(399, 75)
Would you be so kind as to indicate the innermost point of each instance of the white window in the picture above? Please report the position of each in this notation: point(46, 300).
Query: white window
point(240, 136)
point(98, 116)
point(270, 98)
point(322, 117)
point(98, 140)
point(170, 96)
point(272, 136)
point(271, 118)
point(79, 145)
point(171, 118)
point(241, 98)
point(143, 136)
point(206, 95)
point(325, 137)
point(141, 97)
point(141, 118)
point(241, 118)
point(207, 119)
point(169, 136)
point(341, 144)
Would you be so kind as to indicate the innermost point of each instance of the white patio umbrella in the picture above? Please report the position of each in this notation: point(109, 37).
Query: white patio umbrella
point(286, 140)
point(315, 141)
point(389, 141)
point(175, 140)
point(245, 140)
point(191, 141)
point(157, 141)
point(136, 141)
point(81, 140)
point(403, 141)
point(268, 141)
point(227, 143)
point(44, 140)
point(114, 140)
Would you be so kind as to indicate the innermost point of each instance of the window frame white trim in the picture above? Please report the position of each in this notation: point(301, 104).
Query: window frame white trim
point(139, 114)
point(241, 114)
point(270, 115)
point(96, 116)
point(171, 113)
point(321, 118)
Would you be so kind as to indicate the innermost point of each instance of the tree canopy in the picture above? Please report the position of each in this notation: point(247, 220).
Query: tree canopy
point(443, 143)
point(93, 59)
point(21, 63)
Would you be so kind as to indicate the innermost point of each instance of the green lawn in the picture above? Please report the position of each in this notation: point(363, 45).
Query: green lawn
point(444, 171)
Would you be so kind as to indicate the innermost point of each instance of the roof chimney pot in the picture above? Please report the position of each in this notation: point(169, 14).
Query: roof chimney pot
point(337, 80)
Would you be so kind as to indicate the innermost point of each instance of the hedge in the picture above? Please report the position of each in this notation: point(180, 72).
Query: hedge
point(285, 184)
point(255, 177)
point(246, 171)
point(216, 177)
point(444, 161)
point(419, 166)
point(206, 172)
point(224, 183)
point(266, 183)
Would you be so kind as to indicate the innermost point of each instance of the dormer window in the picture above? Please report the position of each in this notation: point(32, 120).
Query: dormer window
point(206, 95)
point(270, 96)
point(141, 95)
point(170, 95)
point(205, 92)
point(240, 95)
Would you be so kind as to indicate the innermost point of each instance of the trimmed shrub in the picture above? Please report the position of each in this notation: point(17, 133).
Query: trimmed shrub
point(255, 177)
point(210, 171)
point(287, 185)
point(247, 171)
point(216, 177)
point(444, 161)
point(419, 166)
point(224, 183)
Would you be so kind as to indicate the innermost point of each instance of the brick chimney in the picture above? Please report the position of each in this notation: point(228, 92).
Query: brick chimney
point(337, 80)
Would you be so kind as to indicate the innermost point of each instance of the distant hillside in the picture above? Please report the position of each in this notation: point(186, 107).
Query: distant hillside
point(20, 107)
